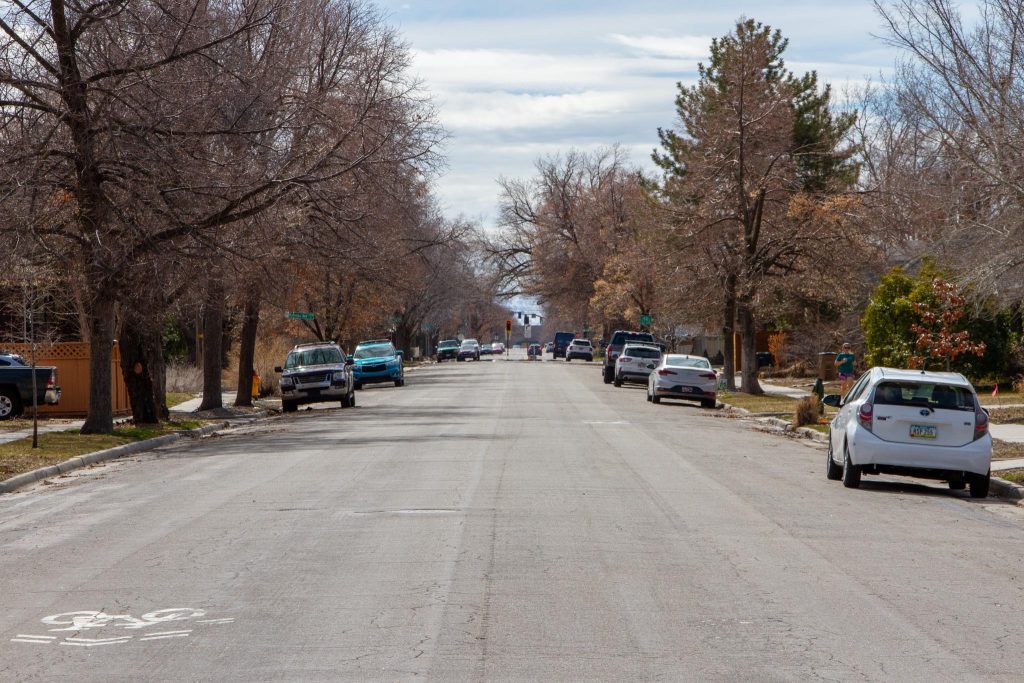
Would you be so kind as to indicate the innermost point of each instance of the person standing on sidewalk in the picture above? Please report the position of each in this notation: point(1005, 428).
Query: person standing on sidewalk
point(844, 364)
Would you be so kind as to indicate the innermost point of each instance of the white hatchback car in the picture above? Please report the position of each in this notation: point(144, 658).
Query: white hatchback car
point(911, 422)
point(635, 363)
point(681, 376)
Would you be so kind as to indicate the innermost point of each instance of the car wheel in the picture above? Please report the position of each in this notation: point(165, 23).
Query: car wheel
point(618, 380)
point(460, 359)
point(833, 470)
point(979, 484)
point(567, 359)
point(655, 398)
point(707, 403)
point(851, 472)
point(609, 375)
point(957, 484)
point(10, 404)
point(399, 382)
point(289, 406)
point(357, 386)
point(648, 394)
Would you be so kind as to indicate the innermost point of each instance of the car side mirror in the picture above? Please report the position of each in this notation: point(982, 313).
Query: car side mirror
point(833, 400)
point(278, 369)
point(350, 361)
point(399, 352)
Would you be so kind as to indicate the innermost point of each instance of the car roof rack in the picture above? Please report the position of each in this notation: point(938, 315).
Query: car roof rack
point(375, 341)
point(319, 343)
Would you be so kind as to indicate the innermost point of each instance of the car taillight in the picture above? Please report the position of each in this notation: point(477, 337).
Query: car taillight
point(664, 371)
point(608, 353)
point(980, 423)
point(709, 375)
point(864, 415)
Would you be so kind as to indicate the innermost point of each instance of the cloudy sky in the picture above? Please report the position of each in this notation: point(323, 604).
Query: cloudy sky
point(516, 80)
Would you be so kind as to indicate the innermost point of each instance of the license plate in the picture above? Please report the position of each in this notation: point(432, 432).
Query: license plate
point(923, 432)
point(686, 390)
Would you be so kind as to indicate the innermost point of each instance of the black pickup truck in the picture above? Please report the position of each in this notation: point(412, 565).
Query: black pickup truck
point(16, 386)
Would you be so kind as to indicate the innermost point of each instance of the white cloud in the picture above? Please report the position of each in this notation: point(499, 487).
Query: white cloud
point(684, 47)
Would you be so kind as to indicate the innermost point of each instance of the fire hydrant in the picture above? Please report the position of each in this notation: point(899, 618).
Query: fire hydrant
point(255, 385)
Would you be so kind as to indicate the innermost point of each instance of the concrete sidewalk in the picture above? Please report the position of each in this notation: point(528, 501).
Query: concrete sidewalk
point(8, 437)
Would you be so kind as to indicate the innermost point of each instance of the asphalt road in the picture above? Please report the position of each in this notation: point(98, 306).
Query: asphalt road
point(504, 521)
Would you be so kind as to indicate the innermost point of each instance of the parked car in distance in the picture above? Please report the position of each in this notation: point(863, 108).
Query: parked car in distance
point(377, 361)
point(635, 363)
point(497, 348)
point(579, 348)
point(914, 423)
point(470, 349)
point(614, 348)
point(485, 349)
point(681, 376)
point(549, 347)
point(561, 343)
point(16, 386)
point(316, 373)
point(533, 352)
point(447, 349)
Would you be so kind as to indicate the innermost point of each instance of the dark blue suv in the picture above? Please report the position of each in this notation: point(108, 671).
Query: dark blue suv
point(377, 360)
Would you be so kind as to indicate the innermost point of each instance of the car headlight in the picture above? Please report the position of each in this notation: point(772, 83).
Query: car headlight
point(339, 376)
point(286, 381)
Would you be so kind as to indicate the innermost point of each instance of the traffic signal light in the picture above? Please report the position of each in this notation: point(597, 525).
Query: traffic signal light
point(508, 325)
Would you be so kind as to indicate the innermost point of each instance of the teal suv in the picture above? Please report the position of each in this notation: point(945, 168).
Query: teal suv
point(377, 361)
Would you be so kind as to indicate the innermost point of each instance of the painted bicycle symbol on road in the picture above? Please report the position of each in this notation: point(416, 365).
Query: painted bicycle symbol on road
point(85, 620)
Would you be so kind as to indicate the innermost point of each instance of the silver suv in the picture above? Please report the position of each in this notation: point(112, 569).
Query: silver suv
point(316, 373)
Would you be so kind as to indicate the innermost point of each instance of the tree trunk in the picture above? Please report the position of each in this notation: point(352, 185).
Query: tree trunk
point(213, 327)
point(158, 373)
point(137, 372)
point(729, 333)
point(748, 341)
point(247, 346)
point(100, 418)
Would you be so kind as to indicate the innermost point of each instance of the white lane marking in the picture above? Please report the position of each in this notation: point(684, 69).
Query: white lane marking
point(25, 635)
point(600, 422)
point(90, 642)
point(166, 633)
point(171, 635)
point(227, 620)
point(37, 641)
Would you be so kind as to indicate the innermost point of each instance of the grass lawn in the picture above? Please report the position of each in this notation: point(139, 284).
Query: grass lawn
point(17, 457)
point(1006, 450)
point(758, 404)
point(1016, 476)
point(986, 398)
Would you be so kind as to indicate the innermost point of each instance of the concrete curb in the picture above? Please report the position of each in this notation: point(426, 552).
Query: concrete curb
point(1007, 489)
point(77, 462)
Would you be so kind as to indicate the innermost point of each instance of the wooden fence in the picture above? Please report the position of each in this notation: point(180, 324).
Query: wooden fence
point(72, 362)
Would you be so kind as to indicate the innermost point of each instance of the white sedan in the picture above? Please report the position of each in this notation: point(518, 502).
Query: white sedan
point(910, 422)
point(635, 363)
point(682, 376)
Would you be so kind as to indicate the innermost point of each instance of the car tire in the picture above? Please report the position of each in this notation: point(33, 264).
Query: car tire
point(10, 404)
point(289, 406)
point(957, 484)
point(979, 484)
point(618, 381)
point(833, 470)
point(655, 398)
point(460, 359)
point(399, 382)
point(609, 375)
point(357, 386)
point(851, 472)
point(349, 399)
point(648, 394)
point(707, 403)
point(567, 359)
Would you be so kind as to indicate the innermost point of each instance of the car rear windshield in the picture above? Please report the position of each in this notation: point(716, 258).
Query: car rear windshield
point(623, 337)
point(641, 352)
point(934, 396)
point(681, 362)
point(448, 344)
point(374, 351)
point(581, 342)
point(324, 356)
point(468, 343)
